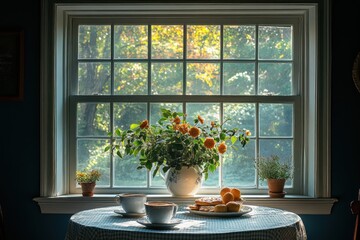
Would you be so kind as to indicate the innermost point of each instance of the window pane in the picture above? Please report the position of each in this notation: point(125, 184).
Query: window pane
point(93, 119)
point(241, 115)
point(275, 79)
point(131, 41)
point(94, 78)
point(127, 113)
point(238, 163)
point(130, 78)
point(126, 173)
point(203, 42)
point(281, 147)
point(167, 78)
point(125, 169)
point(239, 42)
point(203, 79)
point(238, 166)
point(167, 42)
point(276, 120)
point(275, 42)
point(93, 150)
point(239, 78)
point(94, 42)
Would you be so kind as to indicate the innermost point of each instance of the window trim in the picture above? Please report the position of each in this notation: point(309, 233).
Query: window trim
point(52, 117)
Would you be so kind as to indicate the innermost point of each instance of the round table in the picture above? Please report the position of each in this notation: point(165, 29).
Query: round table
point(260, 223)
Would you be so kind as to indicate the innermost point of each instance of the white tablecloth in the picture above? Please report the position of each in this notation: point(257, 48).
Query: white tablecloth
point(260, 223)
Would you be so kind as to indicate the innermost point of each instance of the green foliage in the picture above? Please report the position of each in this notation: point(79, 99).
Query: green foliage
point(88, 175)
point(272, 168)
point(174, 142)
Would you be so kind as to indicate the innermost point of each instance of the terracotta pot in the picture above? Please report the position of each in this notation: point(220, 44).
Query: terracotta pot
point(88, 189)
point(276, 187)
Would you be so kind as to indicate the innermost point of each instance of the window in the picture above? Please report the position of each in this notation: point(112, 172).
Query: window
point(118, 64)
point(125, 72)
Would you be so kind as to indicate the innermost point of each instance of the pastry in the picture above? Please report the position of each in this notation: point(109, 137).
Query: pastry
point(208, 201)
point(233, 206)
point(228, 197)
point(237, 193)
point(206, 208)
point(220, 208)
point(224, 190)
point(194, 207)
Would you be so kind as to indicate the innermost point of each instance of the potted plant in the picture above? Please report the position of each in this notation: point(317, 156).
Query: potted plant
point(87, 178)
point(177, 146)
point(275, 172)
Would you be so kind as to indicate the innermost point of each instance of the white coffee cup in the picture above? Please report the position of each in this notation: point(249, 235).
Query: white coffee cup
point(132, 202)
point(160, 211)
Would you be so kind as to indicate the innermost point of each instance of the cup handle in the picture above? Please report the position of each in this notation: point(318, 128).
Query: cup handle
point(176, 207)
point(117, 198)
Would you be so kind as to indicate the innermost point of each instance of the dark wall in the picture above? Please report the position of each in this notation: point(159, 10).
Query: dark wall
point(20, 137)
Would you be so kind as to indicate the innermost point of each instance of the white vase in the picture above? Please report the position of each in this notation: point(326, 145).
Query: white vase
point(185, 182)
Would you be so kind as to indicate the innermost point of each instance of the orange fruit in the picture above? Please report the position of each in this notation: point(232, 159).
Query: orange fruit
point(228, 197)
point(224, 190)
point(237, 193)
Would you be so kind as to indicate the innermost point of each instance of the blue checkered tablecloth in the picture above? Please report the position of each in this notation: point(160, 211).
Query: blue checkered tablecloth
point(260, 223)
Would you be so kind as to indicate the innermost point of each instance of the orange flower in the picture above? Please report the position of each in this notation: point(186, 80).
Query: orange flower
point(209, 142)
point(194, 132)
point(176, 126)
point(144, 124)
point(177, 120)
point(183, 128)
point(201, 119)
point(248, 133)
point(222, 148)
point(212, 124)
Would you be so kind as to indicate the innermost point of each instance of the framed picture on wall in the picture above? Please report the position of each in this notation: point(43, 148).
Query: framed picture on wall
point(11, 65)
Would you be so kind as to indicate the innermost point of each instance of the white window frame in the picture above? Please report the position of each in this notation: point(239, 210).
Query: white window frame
point(54, 192)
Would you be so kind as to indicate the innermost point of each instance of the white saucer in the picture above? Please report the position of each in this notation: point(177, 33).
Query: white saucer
point(145, 221)
point(129, 215)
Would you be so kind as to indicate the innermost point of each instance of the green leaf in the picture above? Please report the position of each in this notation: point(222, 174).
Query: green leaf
point(212, 167)
point(155, 171)
point(118, 132)
point(166, 113)
point(222, 136)
point(107, 148)
point(137, 143)
point(233, 139)
point(148, 165)
point(134, 125)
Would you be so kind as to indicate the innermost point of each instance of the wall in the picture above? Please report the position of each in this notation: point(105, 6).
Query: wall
point(19, 139)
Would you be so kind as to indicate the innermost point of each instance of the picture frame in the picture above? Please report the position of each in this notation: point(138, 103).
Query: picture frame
point(11, 65)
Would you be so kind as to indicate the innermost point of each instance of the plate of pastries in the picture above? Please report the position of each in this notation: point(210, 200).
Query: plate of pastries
point(228, 204)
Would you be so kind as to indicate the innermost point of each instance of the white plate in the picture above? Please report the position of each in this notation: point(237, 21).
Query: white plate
point(129, 215)
point(145, 221)
point(244, 209)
